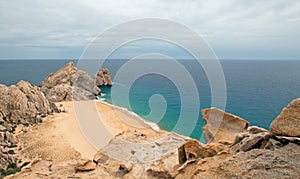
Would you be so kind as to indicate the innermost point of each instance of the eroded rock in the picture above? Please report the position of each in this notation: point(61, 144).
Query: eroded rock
point(288, 121)
point(85, 165)
point(100, 158)
point(256, 130)
point(158, 170)
point(23, 103)
point(221, 126)
point(102, 77)
point(117, 168)
point(69, 83)
point(20, 104)
point(192, 150)
point(246, 141)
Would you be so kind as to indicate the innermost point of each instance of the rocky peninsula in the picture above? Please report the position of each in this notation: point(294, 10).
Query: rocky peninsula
point(40, 138)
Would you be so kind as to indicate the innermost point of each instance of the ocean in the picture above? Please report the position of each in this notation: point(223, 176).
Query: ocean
point(257, 90)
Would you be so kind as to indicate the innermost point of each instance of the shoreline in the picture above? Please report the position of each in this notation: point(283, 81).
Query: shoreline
point(153, 125)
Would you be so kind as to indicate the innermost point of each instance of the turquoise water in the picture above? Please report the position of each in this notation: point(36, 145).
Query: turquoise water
point(257, 90)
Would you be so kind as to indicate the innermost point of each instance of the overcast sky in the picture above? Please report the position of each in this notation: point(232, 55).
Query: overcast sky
point(235, 29)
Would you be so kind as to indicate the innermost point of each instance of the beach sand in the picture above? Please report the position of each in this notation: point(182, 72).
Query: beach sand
point(66, 132)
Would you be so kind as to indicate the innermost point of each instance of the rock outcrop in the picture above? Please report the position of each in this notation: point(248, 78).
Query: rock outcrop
point(23, 103)
point(20, 104)
point(193, 150)
point(247, 141)
point(282, 162)
point(102, 77)
point(69, 83)
point(85, 165)
point(221, 126)
point(288, 121)
point(254, 153)
point(189, 151)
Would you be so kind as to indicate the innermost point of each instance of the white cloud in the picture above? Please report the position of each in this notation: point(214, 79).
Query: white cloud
point(229, 25)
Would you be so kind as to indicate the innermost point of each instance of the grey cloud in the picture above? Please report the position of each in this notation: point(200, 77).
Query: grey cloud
point(228, 25)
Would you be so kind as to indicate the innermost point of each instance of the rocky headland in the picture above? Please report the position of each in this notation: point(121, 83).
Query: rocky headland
point(70, 83)
point(41, 143)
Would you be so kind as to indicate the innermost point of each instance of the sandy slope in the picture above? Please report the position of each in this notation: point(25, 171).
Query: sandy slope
point(85, 127)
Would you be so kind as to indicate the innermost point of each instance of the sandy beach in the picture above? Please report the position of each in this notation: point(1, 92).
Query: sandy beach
point(66, 129)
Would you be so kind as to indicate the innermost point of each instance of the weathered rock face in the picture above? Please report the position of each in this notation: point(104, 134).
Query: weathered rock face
point(288, 121)
point(221, 126)
point(189, 151)
point(130, 155)
point(246, 141)
point(192, 150)
point(85, 165)
point(8, 152)
point(23, 103)
point(69, 83)
point(102, 77)
point(158, 170)
point(282, 162)
point(254, 153)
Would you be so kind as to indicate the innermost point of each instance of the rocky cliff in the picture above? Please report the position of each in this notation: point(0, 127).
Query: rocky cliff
point(23, 103)
point(20, 105)
point(69, 83)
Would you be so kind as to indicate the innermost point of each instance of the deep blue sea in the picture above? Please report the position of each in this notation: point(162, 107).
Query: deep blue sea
point(257, 90)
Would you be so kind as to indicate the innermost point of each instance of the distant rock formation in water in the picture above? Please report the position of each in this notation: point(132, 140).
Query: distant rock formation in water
point(288, 121)
point(69, 83)
point(102, 77)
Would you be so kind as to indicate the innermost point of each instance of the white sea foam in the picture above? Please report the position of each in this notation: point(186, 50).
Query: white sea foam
point(99, 98)
point(153, 125)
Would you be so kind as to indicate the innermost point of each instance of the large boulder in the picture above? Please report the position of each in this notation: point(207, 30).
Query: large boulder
point(288, 121)
point(102, 77)
point(69, 83)
point(221, 126)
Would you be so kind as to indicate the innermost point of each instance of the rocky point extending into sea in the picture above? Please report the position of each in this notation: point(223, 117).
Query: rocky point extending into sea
point(39, 138)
